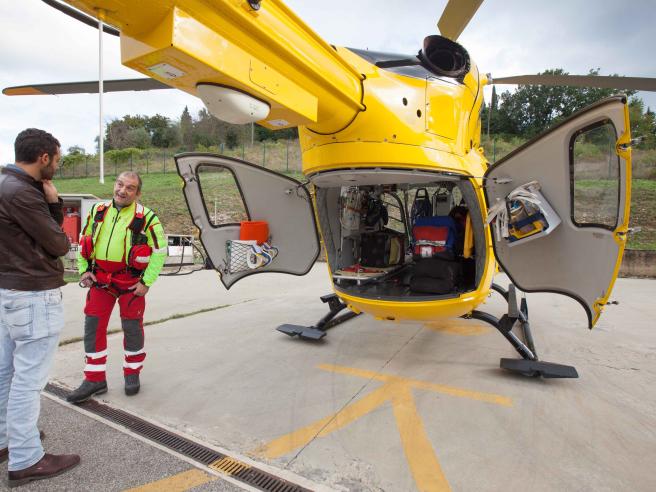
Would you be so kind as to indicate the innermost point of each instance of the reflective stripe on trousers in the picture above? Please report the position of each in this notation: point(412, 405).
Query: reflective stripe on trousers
point(98, 310)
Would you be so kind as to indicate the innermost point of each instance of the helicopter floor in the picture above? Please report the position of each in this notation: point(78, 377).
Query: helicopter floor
point(394, 406)
point(395, 286)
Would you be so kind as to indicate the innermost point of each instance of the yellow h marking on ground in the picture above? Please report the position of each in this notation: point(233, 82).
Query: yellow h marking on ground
point(418, 450)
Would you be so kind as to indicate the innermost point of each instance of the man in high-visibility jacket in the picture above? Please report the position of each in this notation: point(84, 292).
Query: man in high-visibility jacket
point(122, 250)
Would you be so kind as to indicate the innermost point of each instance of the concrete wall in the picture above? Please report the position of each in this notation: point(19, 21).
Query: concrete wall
point(638, 263)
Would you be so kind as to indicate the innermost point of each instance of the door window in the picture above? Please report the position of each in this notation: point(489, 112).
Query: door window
point(595, 170)
point(221, 195)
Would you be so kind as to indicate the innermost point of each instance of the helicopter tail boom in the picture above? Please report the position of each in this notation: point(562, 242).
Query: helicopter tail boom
point(261, 49)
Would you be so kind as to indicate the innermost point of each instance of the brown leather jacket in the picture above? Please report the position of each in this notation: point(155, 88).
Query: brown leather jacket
point(31, 238)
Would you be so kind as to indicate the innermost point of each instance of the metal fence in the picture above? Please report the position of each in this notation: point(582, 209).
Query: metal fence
point(280, 155)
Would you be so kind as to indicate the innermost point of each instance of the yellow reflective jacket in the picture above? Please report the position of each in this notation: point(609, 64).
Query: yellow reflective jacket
point(113, 238)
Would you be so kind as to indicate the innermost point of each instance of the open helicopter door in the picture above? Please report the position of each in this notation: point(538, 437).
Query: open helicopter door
point(559, 206)
point(282, 202)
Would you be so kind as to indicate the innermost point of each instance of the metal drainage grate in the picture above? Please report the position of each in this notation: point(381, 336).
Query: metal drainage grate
point(208, 457)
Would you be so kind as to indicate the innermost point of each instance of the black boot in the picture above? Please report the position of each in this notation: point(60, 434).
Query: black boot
point(86, 390)
point(132, 384)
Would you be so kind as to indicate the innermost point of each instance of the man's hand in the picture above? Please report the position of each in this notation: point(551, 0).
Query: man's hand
point(50, 191)
point(139, 289)
point(87, 279)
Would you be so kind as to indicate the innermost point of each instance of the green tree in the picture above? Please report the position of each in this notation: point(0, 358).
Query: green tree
point(74, 156)
point(159, 127)
point(138, 138)
point(643, 123)
point(262, 133)
point(116, 134)
point(186, 130)
point(532, 109)
point(75, 149)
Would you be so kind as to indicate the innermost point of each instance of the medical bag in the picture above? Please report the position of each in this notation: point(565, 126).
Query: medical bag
point(435, 276)
point(434, 237)
point(382, 249)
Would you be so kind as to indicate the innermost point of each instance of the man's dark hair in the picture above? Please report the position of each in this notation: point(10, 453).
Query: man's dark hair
point(32, 143)
point(132, 174)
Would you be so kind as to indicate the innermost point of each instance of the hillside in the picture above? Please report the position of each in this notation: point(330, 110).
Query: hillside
point(163, 193)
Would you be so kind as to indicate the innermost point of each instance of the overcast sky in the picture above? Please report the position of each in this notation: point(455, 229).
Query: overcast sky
point(506, 37)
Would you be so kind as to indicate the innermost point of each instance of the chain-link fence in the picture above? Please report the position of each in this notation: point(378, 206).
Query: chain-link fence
point(279, 155)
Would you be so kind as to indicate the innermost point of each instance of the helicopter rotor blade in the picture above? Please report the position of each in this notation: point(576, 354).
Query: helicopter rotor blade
point(603, 81)
point(90, 87)
point(456, 16)
point(80, 16)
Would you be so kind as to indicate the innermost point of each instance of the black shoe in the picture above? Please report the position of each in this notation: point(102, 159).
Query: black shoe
point(86, 390)
point(132, 384)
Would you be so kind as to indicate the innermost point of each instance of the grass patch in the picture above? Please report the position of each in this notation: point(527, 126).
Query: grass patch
point(643, 214)
point(163, 193)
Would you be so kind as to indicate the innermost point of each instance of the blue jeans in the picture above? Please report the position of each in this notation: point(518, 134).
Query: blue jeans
point(30, 324)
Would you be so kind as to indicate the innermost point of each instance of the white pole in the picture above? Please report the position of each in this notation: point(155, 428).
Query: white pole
point(101, 136)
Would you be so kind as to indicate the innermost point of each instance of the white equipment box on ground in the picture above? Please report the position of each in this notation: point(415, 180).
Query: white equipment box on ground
point(180, 250)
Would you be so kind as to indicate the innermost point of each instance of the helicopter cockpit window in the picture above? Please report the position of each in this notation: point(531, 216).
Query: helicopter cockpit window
point(221, 195)
point(417, 71)
point(595, 171)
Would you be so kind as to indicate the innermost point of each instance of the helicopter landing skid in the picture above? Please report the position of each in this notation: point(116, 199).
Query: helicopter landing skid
point(330, 320)
point(528, 365)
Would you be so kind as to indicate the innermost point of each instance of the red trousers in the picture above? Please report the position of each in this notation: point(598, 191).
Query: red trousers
point(98, 309)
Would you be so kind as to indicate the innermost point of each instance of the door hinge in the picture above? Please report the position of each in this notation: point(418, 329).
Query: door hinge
point(626, 146)
point(630, 230)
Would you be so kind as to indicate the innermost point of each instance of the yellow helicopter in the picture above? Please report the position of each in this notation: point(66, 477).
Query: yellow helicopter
point(399, 193)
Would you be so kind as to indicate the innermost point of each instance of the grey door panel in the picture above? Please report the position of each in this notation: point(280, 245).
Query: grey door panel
point(284, 203)
point(573, 260)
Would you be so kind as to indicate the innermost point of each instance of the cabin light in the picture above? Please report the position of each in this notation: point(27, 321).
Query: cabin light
point(231, 105)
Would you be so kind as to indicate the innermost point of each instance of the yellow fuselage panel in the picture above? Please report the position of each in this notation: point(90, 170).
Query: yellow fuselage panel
point(269, 53)
point(417, 123)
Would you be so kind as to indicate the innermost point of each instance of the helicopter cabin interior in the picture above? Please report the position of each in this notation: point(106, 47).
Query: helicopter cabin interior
point(401, 234)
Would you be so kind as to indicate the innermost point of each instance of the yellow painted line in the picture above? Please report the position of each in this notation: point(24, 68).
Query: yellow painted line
point(419, 452)
point(299, 438)
point(420, 455)
point(176, 483)
point(461, 329)
point(439, 388)
point(504, 401)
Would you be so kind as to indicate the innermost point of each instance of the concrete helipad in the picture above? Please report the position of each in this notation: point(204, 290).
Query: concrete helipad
point(389, 406)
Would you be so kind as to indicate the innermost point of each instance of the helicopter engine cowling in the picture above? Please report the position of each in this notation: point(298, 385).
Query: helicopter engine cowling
point(444, 57)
